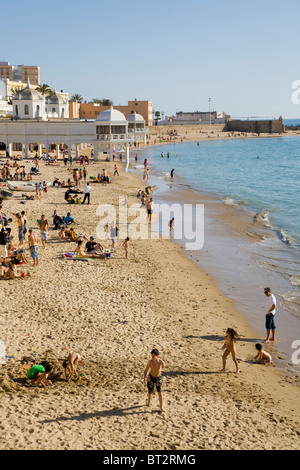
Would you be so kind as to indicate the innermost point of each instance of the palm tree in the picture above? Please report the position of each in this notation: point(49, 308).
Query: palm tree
point(15, 90)
point(44, 89)
point(106, 102)
point(77, 98)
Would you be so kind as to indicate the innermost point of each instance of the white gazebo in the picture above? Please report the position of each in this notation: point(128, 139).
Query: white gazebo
point(112, 134)
point(136, 126)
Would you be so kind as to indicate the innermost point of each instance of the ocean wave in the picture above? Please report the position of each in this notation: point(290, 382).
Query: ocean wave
point(295, 280)
point(292, 297)
point(263, 217)
point(284, 237)
point(228, 201)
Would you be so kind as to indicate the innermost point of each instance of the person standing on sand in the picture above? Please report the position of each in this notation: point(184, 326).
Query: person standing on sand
point(87, 191)
point(230, 348)
point(33, 245)
point(271, 310)
point(149, 206)
point(44, 230)
point(155, 366)
point(126, 246)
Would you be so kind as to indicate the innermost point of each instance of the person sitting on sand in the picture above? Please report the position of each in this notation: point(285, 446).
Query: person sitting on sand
point(262, 357)
point(92, 247)
point(154, 366)
point(16, 256)
point(64, 234)
point(70, 366)
point(68, 220)
point(229, 347)
point(79, 251)
point(77, 236)
point(38, 374)
point(11, 272)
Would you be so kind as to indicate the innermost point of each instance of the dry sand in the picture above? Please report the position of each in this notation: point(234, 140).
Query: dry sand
point(113, 312)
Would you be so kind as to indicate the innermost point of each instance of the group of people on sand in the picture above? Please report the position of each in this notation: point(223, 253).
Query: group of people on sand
point(262, 356)
point(41, 374)
point(15, 172)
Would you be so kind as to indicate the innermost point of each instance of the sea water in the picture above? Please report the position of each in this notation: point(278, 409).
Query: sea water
point(260, 175)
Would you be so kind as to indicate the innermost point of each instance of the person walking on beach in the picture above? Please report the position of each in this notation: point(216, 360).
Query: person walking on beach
point(44, 230)
point(154, 366)
point(271, 310)
point(230, 348)
point(33, 244)
point(87, 191)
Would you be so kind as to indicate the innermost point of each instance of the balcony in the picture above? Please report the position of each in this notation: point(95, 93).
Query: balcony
point(110, 137)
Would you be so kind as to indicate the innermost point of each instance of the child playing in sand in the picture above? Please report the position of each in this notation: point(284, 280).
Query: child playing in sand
point(70, 366)
point(38, 374)
point(126, 246)
point(229, 347)
point(262, 357)
point(155, 366)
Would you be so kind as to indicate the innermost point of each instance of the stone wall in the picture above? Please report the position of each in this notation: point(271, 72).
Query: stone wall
point(274, 126)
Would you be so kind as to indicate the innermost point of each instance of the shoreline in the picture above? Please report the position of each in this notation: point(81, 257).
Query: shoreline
point(113, 313)
point(237, 228)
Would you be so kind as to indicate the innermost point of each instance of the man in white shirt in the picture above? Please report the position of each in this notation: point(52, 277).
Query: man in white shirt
point(87, 191)
point(271, 310)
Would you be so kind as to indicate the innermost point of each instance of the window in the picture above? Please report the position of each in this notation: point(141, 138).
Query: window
point(53, 110)
point(118, 129)
point(17, 110)
point(38, 110)
point(102, 130)
point(26, 109)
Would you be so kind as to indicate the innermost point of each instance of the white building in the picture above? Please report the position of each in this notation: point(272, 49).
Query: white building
point(5, 108)
point(28, 104)
point(136, 126)
point(57, 105)
point(43, 122)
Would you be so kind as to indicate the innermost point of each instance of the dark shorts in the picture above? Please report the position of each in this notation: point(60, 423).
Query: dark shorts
point(270, 324)
point(154, 382)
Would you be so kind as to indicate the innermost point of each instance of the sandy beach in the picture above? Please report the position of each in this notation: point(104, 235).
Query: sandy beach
point(113, 312)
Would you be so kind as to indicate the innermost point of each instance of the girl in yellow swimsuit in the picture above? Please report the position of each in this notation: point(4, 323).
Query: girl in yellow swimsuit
point(230, 348)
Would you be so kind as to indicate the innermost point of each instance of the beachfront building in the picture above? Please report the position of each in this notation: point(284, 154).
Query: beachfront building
point(92, 110)
point(28, 104)
point(112, 133)
point(5, 108)
point(185, 119)
point(57, 105)
point(30, 128)
point(136, 127)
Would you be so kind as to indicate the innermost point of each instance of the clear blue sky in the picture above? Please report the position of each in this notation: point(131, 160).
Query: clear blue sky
point(245, 55)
